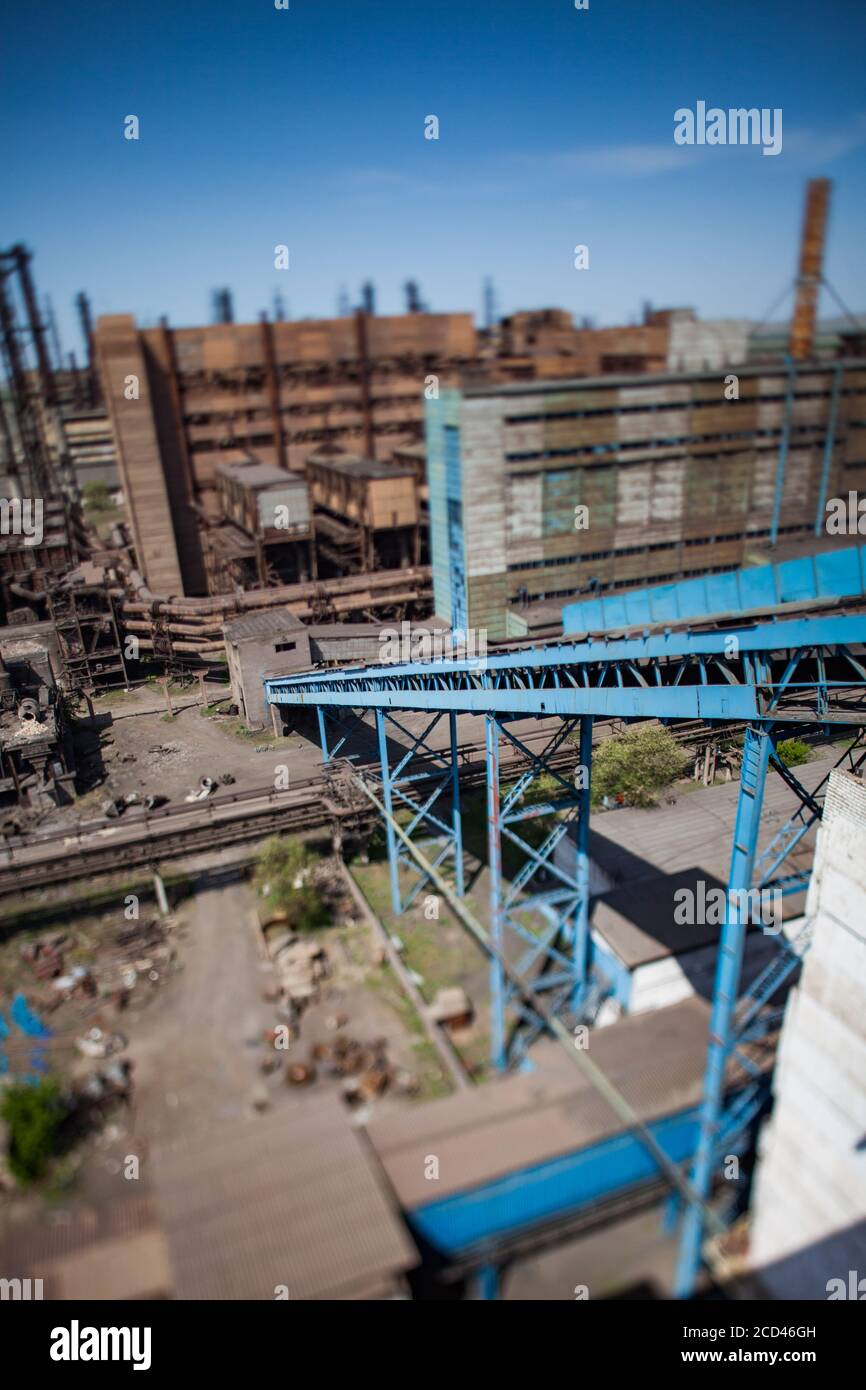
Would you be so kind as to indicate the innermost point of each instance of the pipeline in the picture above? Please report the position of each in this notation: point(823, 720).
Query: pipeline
point(194, 625)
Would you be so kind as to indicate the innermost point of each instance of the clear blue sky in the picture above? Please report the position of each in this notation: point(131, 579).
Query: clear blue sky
point(306, 127)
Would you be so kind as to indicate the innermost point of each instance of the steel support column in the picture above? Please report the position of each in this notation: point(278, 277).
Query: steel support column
point(456, 817)
point(393, 859)
point(415, 783)
point(756, 754)
point(494, 866)
point(540, 916)
point(782, 462)
point(581, 926)
point(323, 733)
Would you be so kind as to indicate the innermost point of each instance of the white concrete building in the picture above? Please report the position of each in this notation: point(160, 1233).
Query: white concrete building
point(809, 1204)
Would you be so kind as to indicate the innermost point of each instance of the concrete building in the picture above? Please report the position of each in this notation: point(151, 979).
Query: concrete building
point(265, 533)
point(696, 345)
point(276, 642)
point(808, 1233)
point(183, 401)
point(367, 513)
point(273, 640)
point(546, 490)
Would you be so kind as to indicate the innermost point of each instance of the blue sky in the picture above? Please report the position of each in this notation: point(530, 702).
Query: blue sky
point(306, 127)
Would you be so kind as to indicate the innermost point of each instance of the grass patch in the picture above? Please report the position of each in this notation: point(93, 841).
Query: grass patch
point(793, 752)
point(109, 698)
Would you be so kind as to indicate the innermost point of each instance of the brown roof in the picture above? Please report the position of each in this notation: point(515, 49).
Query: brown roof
point(272, 622)
point(293, 1198)
point(655, 1059)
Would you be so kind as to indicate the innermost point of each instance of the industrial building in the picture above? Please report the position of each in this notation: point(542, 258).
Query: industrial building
point(265, 533)
point(368, 514)
point(276, 641)
point(187, 402)
point(551, 489)
point(210, 396)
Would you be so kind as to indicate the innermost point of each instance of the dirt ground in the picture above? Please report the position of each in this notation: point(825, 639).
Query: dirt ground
point(198, 1056)
point(134, 746)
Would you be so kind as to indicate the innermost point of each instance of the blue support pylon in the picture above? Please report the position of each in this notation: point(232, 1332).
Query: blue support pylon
point(581, 926)
point(756, 755)
point(497, 914)
point(343, 724)
point(416, 783)
point(796, 671)
point(540, 917)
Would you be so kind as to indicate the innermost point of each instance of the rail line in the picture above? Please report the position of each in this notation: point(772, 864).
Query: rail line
point(101, 845)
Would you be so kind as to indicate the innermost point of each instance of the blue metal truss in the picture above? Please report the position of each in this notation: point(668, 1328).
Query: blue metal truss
point(540, 918)
point(803, 670)
point(422, 791)
point(779, 672)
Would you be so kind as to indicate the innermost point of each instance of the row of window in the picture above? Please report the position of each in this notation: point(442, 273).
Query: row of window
point(652, 407)
point(686, 441)
point(675, 575)
point(583, 557)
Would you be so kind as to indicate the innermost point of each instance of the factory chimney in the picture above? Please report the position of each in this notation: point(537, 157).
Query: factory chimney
point(223, 308)
point(810, 270)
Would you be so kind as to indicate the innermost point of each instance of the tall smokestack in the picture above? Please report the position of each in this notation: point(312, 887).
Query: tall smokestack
point(809, 273)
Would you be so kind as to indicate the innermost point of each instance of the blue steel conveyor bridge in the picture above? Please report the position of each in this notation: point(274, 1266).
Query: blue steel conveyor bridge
point(769, 675)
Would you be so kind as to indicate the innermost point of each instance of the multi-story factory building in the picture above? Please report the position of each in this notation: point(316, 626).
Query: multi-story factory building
point(184, 401)
point(550, 489)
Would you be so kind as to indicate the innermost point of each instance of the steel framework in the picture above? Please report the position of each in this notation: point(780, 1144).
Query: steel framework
point(786, 672)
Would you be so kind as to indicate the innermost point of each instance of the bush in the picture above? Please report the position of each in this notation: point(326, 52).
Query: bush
point(96, 497)
point(636, 765)
point(791, 752)
point(34, 1115)
point(283, 878)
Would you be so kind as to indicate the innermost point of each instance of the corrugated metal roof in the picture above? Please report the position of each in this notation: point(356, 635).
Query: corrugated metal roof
point(260, 475)
point(290, 1199)
point(270, 623)
point(357, 467)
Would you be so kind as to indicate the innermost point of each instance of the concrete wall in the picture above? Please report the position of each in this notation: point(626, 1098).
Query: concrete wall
point(809, 1205)
point(624, 481)
point(249, 659)
point(695, 345)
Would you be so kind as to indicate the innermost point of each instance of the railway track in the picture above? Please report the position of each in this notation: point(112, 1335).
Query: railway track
point(145, 838)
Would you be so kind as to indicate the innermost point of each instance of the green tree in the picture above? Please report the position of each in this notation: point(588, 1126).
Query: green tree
point(636, 765)
point(283, 878)
point(34, 1115)
point(791, 752)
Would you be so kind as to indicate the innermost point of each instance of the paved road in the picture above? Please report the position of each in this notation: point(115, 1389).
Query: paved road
point(193, 1067)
